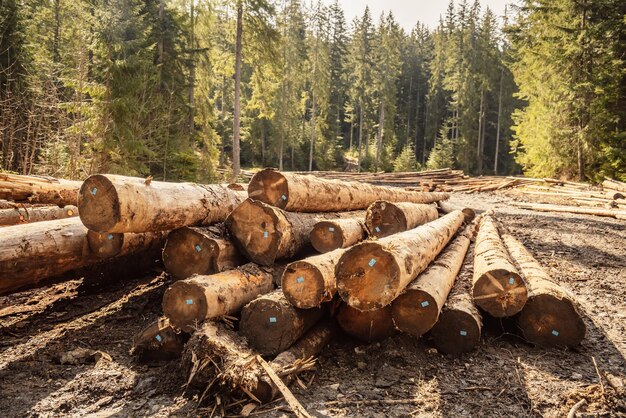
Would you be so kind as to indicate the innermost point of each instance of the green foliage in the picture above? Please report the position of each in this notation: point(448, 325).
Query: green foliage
point(442, 156)
point(405, 161)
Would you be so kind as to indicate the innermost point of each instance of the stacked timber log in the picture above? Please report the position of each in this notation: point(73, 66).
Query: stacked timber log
point(38, 189)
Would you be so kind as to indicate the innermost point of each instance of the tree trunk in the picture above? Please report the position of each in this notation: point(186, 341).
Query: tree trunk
point(223, 124)
point(159, 341)
point(237, 107)
point(271, 324)
point(329, 235)
point(265, 233)
point(313, 133)
point(310, 282)
point(112, 203)
point(368, 326)
point(479, 155)
point(34, 189)
point(385, 218)
point(189, 302)
point(56, 56)
point(298, 193)
point(551, 316)
point(107, 245)
point(379, 142)
point(351, 134)
point(192, 68)
point(495, 163)
point(372, 274)
point(360, 137)
point(35, 214)
point(497, 286)
point(417, 309)
point(199, 250)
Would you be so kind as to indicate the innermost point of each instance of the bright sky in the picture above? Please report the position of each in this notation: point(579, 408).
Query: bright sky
point(409, 12)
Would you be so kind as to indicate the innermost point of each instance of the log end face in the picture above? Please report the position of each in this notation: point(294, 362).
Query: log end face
point(105, 244)
point(188, 252)
point(415, 312)
point(456, 332)
point(98, 204)
point(269, 186)
point(384, 219)
point(367, 326)
point(367, 277)
point(303, 285)
point(326, 237)
point(500, 292)
point(266, 326)
point(158, 342)
point(550, 321)
point(185, 305)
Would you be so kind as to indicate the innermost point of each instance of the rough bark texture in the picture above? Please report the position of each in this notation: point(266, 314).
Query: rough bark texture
point(199, 250)
point(447, 207)
point(551, 316)
point(371, 275)
point(416, 310)
point(298, 193)
point(310, 282)
point(112, 203)
point(159, 342)
point(188, 302)
point(265, 233)
point(385, 218)
point(110, 244)
point(35, 214)
point(459, 326)
point(497, 286)
point(330, 235)
point(271, 324)
point(367, 326)
point(36, 189)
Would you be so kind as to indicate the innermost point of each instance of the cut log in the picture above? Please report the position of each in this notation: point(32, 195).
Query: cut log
point(368, 326)
point(497, 286)
point(330, 235)
point(265, 233)
point(188, 302)
point(447, 207)
point(310, 282)
point(416, 310)
point(298, 193)
point(614, 185)
point(159, 342)
point(611, 213)
point(307, 347)
point(36, 214)
point(551, 316)
point(385, 218)
point(199, 250)
point(111, 244)
point(614, 195)
point(36, 189)
point(271, 324)
point(371, 275)
point(112, 203)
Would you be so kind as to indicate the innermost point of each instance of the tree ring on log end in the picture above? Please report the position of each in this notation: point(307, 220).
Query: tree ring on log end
point(269, 186)
point(268, 326)
point(326, 237)
point(385, 219)
point(105, 244)
point(303, 285)
point(188, 252)
point(415, 312)
point(367, 277)
point(456, 332)
point(500, 292)
point(548, 320)
point(98, 203)
point(185, 305)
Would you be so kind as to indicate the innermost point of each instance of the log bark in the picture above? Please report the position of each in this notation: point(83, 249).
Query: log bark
point(447, 207)
point(330, 235)
point(112, 203)
point(271, 324)
point(188, 302)
point(614, 185)
point(159, 341)
point(368, 326)
point(497, 286)
point(36, 214)
point(298, 193)
point(416, 310)
point(107, 245)
point(199, 250)
point(459, 326)
point(310, 282)
point(551, 316)
point(264, 233)
point(36, 189)
point(611, 213)
point(385, 218)
point(372, 274)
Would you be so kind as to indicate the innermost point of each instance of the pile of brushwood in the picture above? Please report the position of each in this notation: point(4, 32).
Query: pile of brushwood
point(262, 280)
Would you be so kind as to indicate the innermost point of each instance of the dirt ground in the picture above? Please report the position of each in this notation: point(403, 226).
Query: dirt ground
point(399, 377)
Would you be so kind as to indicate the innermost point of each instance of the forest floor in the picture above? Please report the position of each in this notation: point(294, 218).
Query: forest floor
point(504, 376)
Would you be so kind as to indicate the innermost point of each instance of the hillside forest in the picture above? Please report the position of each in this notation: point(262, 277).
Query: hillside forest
point(192, 89)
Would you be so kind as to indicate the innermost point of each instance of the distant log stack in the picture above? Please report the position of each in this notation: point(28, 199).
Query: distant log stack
point(298, 193)
point(330, 235)
point(497, 286)
point(416, 310)
point(38, 189)
point(199, 250)
point(111, 203)
point(551, 316)
point(107, 245)
point(189, 302)
point(159, 342)
point(618, 214)
point(271, 324)
point(385, 218)
point(35, 214)
point(371, 275)
point(614, 185)
point(368, 326)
